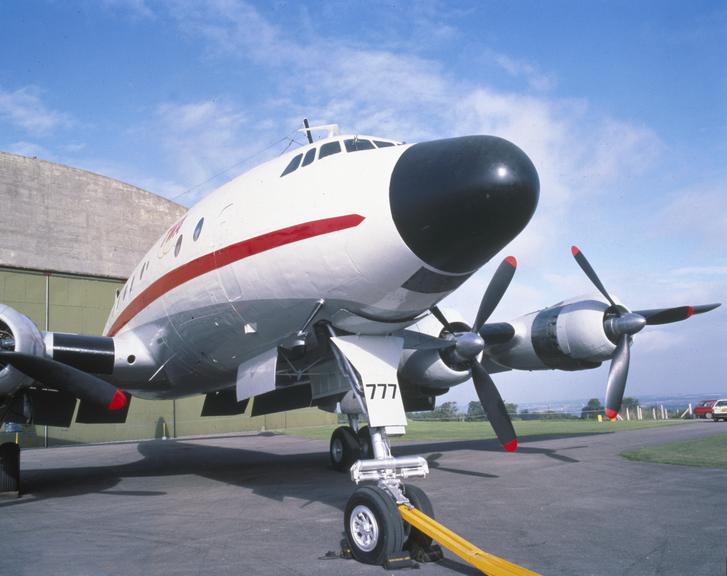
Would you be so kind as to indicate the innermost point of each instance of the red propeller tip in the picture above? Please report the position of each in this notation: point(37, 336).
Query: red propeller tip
point(611, 414)
point(511, 446)
point(690, 311)
point(511, 261)
point(118, 401)
point(574, 250)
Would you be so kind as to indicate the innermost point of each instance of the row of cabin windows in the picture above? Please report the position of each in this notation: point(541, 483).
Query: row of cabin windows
point(329, 148)
point(145, 266)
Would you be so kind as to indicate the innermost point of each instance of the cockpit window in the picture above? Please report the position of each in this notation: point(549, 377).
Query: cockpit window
point(309, 157)
point(382, 144)
point(330, 148)
point(354, 145)
point(294, 163)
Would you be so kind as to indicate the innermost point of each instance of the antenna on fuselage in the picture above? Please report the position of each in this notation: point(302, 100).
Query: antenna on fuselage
point(307, 130)
point(331, 129)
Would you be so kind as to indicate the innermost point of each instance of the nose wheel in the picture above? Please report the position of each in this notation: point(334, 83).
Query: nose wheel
point(376, 532)
point(373, 525)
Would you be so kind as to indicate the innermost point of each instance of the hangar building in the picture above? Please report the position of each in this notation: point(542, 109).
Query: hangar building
point(68, 240)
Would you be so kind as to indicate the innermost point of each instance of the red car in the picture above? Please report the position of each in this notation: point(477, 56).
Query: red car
point(704, 409)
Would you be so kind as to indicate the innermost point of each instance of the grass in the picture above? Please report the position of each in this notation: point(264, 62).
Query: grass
point(431, 430)
point(708, 452)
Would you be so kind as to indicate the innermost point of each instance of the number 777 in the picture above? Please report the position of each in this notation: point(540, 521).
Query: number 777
point(384, 388)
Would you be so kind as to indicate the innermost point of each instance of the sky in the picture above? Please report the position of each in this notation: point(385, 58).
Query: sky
point(621, 105)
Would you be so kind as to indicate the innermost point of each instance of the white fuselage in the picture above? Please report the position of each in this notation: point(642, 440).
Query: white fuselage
point(268, 248)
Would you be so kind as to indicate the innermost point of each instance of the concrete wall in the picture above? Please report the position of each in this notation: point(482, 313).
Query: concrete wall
point(63, 219)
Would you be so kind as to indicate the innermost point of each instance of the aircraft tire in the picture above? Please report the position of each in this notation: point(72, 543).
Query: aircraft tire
point(421, 502)
point(364, 442)
point(344, 449)
point(9, 467)
point(373, 525)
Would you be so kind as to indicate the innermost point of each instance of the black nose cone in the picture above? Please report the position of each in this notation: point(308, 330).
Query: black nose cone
point(458, 202)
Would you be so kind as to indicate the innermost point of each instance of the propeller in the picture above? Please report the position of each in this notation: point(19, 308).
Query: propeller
point(64, 377)
point(620, 325)
point(466, 346)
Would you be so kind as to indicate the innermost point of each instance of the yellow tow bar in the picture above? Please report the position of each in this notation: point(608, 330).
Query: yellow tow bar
point(488, 563)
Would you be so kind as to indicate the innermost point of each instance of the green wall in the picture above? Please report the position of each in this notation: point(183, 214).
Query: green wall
point(81, 304)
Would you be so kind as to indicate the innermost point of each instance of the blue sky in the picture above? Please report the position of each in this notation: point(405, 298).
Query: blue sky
point(621, 105)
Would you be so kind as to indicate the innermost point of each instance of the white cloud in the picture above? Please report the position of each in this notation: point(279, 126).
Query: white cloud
point(695, 213)
point(235, 27)
point(520, 68)
point(618, 150)
point(201, 138)
point(25, 109)
point(401, 94)
point(700, 271)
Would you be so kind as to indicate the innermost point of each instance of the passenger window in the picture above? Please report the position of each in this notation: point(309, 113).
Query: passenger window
point(178, 246)
point(382, 144)
point(309, 157)
point(354, 145)
point(294, 163)
point(198, 227)
point(131, 286)
point(329, 148)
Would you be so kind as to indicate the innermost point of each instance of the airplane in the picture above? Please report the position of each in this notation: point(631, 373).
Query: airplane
point(314, 279)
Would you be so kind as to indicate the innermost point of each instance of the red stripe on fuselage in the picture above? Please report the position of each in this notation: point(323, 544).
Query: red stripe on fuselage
point(228, 255)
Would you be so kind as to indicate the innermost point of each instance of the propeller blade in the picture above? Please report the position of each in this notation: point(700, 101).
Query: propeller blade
point(669, 315)
point(617, 377)
point(591, 273)
point(55, 374)
point(418, 341)
point(442, 320)
point(494, 407)
point(495, 290)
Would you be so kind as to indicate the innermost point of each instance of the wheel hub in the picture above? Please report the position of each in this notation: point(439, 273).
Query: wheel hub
point(337, 450)
point(364, 528)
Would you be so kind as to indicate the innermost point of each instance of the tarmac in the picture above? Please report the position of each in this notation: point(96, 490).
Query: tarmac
point(269, 504)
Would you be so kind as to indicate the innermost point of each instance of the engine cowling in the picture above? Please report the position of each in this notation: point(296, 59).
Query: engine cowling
point(430, 371)
point(567, 336)
point(20, 334)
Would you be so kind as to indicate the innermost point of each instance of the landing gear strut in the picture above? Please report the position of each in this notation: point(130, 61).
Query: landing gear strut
point(374, 528)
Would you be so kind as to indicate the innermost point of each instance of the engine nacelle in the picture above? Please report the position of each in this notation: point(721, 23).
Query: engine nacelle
point(428, 370)
point(26, 338)
point(567, 336)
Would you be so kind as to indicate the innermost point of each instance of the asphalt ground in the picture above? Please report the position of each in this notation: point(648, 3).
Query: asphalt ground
point(269, 504)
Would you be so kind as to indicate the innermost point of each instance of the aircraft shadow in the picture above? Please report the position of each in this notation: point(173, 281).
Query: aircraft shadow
point(274, 476)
